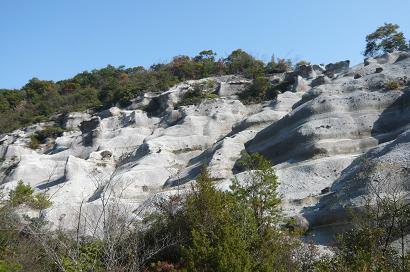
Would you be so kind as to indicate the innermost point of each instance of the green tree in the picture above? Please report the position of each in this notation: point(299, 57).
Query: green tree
point(24, 194)
point(278, 66)
point(258, 189)
point(221, 233)
point(206, 64)
point(21, 194)
point(385, 39)
point(240, 62)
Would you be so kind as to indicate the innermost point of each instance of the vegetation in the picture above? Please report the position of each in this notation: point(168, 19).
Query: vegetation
point(302, 62)
point(385, 39)
point(206, 230)
point(278, 66)
point(366, 247)
point(392, 85)
point(34, 142)
point(240, 62)
point(197, 94)
point(40, 100)
point(384, 218)
point(260, 90)
point(24, 194)
point(41, 136)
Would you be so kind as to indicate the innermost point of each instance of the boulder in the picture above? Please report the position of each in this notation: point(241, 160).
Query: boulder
point(320, 80)
point(318, 68)
point(336, 68)
point(305, 71)
point(368, 61)
point(300, 85)
point(403, 56)
point(73, 120)
point(298, 223)
point(232, 87)
point(357, 76)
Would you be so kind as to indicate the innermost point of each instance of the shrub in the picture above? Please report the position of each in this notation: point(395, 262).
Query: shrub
point(53, 132)
point(260, 90)
point(303, 62)
point(196, 96)
point(9, 266)
point(21, 194)
point(89, 259)
point(34, 142)
point(279, 66)
point(40, 202)
point(259, 189)
point(24, 194)
point(392, 85)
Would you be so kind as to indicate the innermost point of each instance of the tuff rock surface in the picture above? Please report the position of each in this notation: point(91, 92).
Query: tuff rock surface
point(321, 135)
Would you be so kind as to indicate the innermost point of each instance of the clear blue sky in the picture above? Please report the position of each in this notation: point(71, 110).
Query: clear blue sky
point(56, 39)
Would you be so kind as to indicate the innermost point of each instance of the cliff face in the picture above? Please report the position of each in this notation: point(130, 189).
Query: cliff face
point(316, 134)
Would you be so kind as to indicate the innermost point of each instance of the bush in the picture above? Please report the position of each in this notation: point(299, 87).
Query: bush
point(34, 142)
point(21, 194)
point(196, 95)
point(221, 232)
point(24, 194)
point(9, 266)
point(392, 85)
point(40, 202)
point(260, 90)
point(48, 132)
point(302, 62)
point(279, 66)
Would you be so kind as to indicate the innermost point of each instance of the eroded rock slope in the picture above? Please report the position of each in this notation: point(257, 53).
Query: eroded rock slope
point(316, 134)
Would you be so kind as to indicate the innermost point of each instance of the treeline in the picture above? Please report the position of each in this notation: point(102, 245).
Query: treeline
point(109, 86)
point(204, 230)
point(39, 99)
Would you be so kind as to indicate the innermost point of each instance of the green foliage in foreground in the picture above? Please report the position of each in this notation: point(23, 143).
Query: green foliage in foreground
point(9, 266)
point(238, 230)
point(206, 230)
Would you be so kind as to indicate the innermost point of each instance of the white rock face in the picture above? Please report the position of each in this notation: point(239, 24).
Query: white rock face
point(316, 136)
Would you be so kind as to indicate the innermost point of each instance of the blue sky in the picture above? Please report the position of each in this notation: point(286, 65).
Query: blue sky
point(56, 39)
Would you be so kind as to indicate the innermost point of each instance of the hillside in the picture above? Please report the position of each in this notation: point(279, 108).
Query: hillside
point(317, 133)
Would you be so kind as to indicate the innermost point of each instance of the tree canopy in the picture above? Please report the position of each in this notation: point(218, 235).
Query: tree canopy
point(385, 39)
point(110, 86)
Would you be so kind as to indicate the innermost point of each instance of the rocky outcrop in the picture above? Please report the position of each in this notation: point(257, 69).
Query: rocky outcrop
point(316, 133)
point(336, 68)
